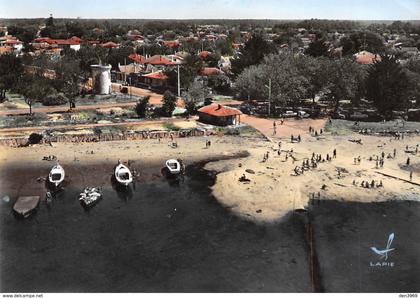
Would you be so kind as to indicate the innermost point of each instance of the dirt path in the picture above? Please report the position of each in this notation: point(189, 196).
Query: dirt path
point(289, 127)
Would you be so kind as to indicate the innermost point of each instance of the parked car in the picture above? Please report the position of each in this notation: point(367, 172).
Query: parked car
point(358, 116)
point(302, 114)
point(246, 109)
point(338, 115)
point(288, 114)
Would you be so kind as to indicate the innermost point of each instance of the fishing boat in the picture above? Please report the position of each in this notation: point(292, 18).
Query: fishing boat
point(173, 166)
point(56, 176)
point(90, 196)
point(123, 174)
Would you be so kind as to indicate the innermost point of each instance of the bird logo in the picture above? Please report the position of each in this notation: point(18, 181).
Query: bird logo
point(383, 254)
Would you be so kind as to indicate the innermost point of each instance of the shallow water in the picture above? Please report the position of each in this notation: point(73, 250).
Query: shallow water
point(165, 237)
point(158, 237)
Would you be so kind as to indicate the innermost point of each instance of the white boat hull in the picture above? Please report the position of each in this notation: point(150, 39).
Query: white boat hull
point(173, 166)
point(123, 175)
point(57, 175)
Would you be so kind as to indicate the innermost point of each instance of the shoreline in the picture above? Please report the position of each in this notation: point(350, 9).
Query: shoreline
point(273, 192)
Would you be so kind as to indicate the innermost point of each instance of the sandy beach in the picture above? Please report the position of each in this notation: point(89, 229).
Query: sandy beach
point(274, 189)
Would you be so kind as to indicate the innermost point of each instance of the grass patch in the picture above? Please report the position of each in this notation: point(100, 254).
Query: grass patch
point(170, 126)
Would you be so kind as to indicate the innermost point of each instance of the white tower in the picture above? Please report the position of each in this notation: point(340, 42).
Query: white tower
point(101, 79)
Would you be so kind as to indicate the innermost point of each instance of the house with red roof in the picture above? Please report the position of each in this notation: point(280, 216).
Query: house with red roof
point(366, 58)
point(11, 42)
point(136, 58)
point(211, 71)
point(49, 43)
point(217, 114)
point(110, 45)
point(156, 79)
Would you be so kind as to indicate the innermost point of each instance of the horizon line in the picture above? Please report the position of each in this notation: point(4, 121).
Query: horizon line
point(210, 19)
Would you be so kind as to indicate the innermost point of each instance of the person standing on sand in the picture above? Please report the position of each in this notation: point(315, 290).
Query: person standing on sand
point(395, 152)
point(334, 153)
point(408, 161)
point(411, 175)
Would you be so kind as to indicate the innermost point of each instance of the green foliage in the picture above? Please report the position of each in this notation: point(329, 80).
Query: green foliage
point(318, 48)
point(34, 138)
point(54, 99)
point(169, 103)
point(387, 86)
point(170, 126)
point(252, 53)
point(365, 40)
point(11, 69)
point(141, 106)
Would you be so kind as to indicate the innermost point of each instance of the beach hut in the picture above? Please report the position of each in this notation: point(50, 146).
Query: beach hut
point(217, 114)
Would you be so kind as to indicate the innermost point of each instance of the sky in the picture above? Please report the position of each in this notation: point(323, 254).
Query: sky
point(216, 9)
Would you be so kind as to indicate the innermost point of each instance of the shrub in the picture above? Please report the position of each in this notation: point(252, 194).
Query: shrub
point(34, 138)
point(54, 100)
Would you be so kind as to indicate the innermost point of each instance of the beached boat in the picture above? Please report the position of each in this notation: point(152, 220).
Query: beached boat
point(56, 176)
point(90, 196)
point(173, 166)
point(123, 174)
point(25, 206)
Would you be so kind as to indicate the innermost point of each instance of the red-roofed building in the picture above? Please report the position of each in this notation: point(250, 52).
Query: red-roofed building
point(110, 45)
point(366, 58)
point(139, 59)
point(217, 114)
point(156, 79)
point(211, 71)
point(159, 60)
point(173, 44)
point(46, 42)
point(204, 55)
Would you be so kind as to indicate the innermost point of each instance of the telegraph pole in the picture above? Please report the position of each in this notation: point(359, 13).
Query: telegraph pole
point(179, 83)
point(269, 96)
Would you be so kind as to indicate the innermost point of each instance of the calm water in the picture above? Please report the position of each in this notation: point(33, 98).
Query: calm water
point(176, 238)
point(158, 237)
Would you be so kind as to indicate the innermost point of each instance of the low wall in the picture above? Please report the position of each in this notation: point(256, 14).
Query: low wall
point(105, 137)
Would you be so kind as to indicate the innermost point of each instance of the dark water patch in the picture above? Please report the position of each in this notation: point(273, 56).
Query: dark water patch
point(344, 233)
point(161, 239)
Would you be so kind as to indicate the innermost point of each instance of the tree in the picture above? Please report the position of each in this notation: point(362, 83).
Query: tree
point(142, 105)
point(252, 53)
point(34, 89)
point(188, 71)
point(366, 40)
point(387, 86)
point(68, 79)
point(11, 69)
point(315, 70)
point(196, 93)
point(169, 103)
point(317, 48)
point(343, 81)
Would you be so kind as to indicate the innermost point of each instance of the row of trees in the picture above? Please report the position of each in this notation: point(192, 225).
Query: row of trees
point(387, 84)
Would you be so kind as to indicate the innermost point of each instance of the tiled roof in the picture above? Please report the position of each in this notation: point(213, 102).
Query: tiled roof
point(159, 75)
point(365, 57)
point(211, 71)
point(159, 60)
point(219, 110)
point(137, 58)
